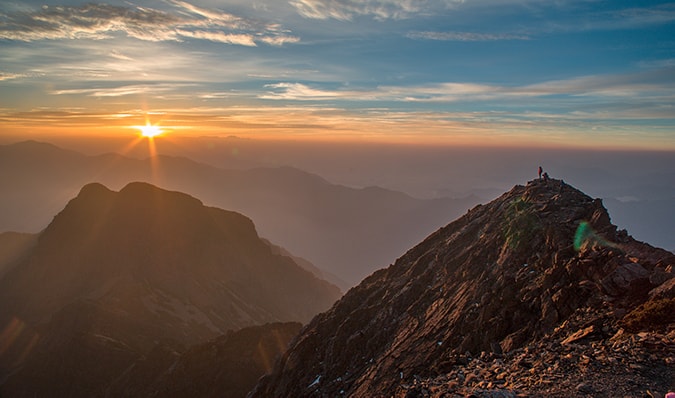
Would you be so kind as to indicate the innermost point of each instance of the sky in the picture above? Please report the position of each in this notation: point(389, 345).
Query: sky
point(556, 73)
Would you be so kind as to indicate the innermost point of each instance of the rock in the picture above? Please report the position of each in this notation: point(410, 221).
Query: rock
point(578, 335)
point(624, 278)
point(585, 388)
point(660, 276)
point(665, 290)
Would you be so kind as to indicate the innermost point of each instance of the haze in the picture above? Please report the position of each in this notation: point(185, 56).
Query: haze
point(331, 216)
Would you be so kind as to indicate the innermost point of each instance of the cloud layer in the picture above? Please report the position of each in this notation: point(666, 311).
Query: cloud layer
point(102, 21)
point(433, 68)
point(645, 86)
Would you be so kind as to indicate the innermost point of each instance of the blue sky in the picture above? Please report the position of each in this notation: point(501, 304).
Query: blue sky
point(477, 72)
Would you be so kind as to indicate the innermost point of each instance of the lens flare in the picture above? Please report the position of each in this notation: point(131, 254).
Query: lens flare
point(585, 234)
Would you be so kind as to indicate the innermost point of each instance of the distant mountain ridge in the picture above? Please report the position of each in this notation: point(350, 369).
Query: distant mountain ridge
point(345, 231)
point(116, 273)
point(533, 294)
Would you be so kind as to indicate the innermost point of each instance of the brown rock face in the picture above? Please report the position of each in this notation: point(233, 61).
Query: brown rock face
point(539, 260)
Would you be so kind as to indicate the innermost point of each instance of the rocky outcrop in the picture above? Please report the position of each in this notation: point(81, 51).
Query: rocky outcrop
point(505, 300)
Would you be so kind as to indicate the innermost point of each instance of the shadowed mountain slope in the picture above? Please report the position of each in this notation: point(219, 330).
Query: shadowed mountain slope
point(116, 273)
point(537, 279)
point(13, 247)
point(344, 231)
point(227, 367)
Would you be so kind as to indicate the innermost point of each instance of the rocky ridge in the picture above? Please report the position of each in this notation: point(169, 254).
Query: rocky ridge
point(533, 294)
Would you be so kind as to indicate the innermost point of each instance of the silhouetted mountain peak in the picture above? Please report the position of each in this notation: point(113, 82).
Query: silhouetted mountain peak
point(529, 269)
point(148, 246)
point(143, 214)
point(94, 190)
point(116, 273)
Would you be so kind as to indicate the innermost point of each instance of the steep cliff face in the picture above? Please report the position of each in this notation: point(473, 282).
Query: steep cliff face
point(116, 273)
point(500, 278)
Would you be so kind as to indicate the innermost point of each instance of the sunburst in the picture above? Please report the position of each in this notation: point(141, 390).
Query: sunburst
point(150, 130)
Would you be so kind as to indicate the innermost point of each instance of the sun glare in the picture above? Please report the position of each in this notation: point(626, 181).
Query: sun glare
point(149, 130)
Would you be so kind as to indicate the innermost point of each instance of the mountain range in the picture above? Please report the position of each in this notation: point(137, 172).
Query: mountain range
point(116, 275)
point(346, 232)
point(536, 293)
point(533, 294)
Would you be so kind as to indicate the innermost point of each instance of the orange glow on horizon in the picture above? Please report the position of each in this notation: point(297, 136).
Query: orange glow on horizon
point(297, 124)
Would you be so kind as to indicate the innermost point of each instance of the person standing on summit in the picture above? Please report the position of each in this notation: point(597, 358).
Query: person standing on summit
point(540, 171)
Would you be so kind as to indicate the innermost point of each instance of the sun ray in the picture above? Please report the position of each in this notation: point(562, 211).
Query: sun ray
point(148, 132)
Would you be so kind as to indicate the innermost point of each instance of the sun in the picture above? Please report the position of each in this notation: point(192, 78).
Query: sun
point(149, 130)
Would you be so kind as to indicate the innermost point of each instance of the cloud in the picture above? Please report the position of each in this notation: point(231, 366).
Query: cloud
point(220, 37)
point(653, 83)
point(464, 36)
point(302, 92)
point(103, 21)
point(613, 19)
point(643, 16)
point(93, 21)
point(120, 91)
point(442, 92)
point(10, 76)
point(650, 85)
point(117, 55)
point(379, 9)
point(279, 40)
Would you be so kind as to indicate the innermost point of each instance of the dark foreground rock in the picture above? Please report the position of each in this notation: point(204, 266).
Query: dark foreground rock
point(533, 294)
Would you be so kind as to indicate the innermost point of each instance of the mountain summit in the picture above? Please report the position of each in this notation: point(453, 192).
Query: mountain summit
point(535, 293)
point(162, 252)
point(117, 273)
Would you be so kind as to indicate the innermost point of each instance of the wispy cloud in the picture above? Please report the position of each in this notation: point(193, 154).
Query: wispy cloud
point(303, 92)
point(155, 89)
point(641, 16)
point(464, 36)
point(346, 10)
point(649, 85)
point(103, 21)
point(379, 9)
point(10, 76)
point(610, 20)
